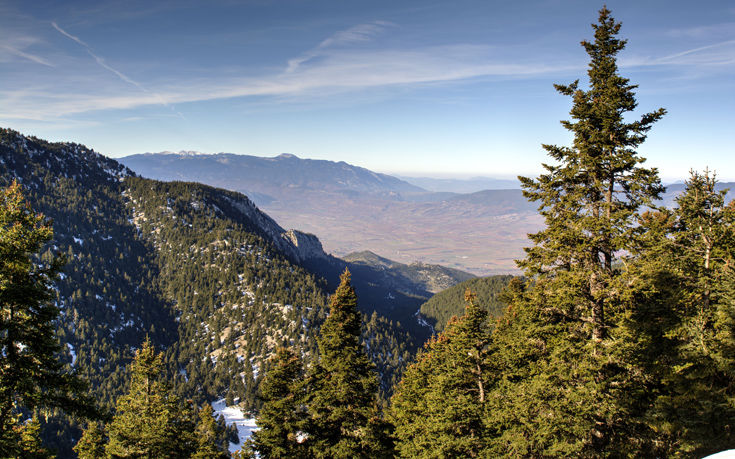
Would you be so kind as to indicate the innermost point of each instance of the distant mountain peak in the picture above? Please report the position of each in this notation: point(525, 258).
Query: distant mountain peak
point(274, 177)
point(178, 153)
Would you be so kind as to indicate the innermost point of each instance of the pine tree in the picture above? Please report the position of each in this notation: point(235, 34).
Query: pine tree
point(30, 440)
point(590, 199)
point(568, 397)
point(282, 419)
point(31, 375)
point(92, 443)
point(207, 435)
point(342, 403)
point(695, 414)
point(149, 420)
point(439, 406)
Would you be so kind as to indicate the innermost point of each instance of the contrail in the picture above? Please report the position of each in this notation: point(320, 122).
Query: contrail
point(118, 73)
point(30, 57)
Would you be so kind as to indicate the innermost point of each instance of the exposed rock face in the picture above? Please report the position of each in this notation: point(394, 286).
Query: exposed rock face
point(307, 246)
point(259, 218)
point(298, 245)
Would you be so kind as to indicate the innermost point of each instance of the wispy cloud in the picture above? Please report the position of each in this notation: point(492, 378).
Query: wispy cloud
point(711, 31)
point(355, 34)
point(716, 54)
point(338, 71)
point(341, 63)
point(29, 56)
point(68, 35)
point(160, 99)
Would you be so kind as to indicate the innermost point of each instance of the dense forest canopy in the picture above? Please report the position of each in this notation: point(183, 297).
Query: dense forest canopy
point(619, 340)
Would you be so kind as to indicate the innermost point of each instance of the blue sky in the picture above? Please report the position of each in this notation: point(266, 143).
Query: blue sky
point(414, 87)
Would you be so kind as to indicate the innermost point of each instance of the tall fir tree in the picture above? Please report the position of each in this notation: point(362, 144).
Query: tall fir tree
point(149, 422)
point(30, 441)
point(282, 418)
point(439, 406)
point(695, 413)
point(208, 434)
point(31, 374)
point(91, 445)
point(590, 198)
point(568, 396)
point(345, 421)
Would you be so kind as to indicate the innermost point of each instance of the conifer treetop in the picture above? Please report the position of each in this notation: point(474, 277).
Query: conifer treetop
point(591, 196)
point(344, 319)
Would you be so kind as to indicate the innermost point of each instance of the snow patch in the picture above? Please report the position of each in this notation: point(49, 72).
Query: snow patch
point(73, 354)
point(234, 415)
point(729, 454)
point(423, 322)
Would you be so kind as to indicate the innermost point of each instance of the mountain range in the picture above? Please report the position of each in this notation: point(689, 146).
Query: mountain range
point(219, 284)
point(211, 279)
point(353, 209)
point(462, 185)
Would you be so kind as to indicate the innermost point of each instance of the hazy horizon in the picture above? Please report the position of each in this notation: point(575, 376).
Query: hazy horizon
point(419, 87)
point(415, 174)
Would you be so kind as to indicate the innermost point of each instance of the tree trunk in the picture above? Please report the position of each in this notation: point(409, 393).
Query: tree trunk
point(480, 386)
point(598, 308)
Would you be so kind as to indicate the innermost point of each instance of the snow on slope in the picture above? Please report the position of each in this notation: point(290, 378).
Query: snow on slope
point(729, 454)
point(233, 415)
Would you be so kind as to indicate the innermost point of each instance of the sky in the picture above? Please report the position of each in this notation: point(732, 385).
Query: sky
point(436, 88)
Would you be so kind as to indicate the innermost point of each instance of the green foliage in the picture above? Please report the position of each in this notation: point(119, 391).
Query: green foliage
point(590, 198)
point(554, 387)
point(576, 389)
point(92, 443)
point(343, 387)
point(451, 302)
point(30, 446)
point(439, 406)
point(149, 419)
point(106, 294)
point(208, 436)
point(282, 419)
point(390, 347)
point(621, 343)
point(31, 375)
point(333, 409)
point(694, 413)
point(631, 357)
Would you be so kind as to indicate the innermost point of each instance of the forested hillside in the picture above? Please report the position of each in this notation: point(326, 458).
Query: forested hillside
point(451, 302)
point(106, 291)
point(617, 341)
point(202, 272)
point(235, 296)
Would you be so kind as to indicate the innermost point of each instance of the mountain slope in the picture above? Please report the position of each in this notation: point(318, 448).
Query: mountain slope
point(416, 278)
point(353, 209)
point(674, 189)
point(206, 275)
point(450, 302)
point(468, 185)
point(269, 177)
